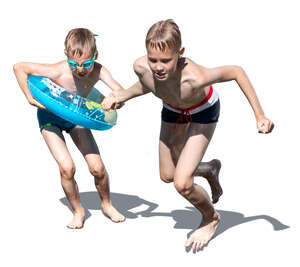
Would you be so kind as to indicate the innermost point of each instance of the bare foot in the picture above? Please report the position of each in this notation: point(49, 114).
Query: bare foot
point(78, 220)
point(204, 233)
point(112, 213)
point(213, 180)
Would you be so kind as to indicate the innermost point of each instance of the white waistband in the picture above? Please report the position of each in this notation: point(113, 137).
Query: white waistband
point(210, 102)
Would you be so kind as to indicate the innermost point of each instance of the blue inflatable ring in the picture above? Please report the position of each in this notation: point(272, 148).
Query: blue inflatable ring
point(86, 112)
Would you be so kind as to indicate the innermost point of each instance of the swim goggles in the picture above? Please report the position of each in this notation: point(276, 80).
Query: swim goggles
point(86, 64)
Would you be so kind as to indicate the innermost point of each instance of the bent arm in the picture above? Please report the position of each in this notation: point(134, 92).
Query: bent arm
point(107, 78)
point(229, 73)
point(22, 70)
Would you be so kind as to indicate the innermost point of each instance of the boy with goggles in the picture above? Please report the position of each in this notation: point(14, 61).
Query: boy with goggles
point(86, 64)
point(78, 74)
point(189, 117)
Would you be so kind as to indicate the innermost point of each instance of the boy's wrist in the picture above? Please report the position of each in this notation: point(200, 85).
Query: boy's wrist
point(119, 96)
point(260, 116)
point(29, 98)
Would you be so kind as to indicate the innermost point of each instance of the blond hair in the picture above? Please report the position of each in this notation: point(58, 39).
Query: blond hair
point(80, 41)
point(164, 34)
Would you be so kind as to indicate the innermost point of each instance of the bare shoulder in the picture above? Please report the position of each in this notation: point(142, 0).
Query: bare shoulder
point(53, 70)
point(140, 65)
point(193, 73)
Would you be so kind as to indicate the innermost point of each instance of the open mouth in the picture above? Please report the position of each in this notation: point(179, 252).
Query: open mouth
point(81, 74)
point(160, 75)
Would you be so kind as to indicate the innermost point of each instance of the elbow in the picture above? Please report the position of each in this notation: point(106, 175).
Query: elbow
point(238, 72)
point(18, 66)
point(239, 69)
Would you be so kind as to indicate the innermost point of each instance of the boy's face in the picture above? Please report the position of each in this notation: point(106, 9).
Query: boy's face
point(163, 63)
point(79, 64)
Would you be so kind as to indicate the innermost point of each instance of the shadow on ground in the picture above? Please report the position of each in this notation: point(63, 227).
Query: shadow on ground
point(188, 218)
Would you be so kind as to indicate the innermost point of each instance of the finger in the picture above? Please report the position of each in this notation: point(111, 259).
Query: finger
point(103, 104)
point(264, 127)
point(39, 105)
point(106, 107)
point(261, 128)
point(43, 107)
point(268, 125)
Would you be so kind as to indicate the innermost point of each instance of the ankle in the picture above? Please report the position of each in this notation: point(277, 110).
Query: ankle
point(207, 218)
point(78, 210)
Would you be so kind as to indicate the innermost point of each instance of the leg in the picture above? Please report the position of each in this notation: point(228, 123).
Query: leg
point(57, 146)
point(84, 140)
point(198, 138)
point(171, 143)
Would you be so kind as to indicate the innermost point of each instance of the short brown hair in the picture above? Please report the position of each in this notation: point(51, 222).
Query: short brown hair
point(79, 41)
point(164, 34)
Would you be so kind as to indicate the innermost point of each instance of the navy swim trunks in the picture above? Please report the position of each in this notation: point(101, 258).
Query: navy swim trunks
point(47, 119)
point(207, 111)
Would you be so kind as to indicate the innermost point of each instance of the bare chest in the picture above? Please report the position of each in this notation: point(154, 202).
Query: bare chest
point(80, 87)
point(181, 95)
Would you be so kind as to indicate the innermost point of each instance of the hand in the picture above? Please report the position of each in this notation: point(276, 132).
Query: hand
point(109, 102)
point(264, 125)
point(35, 103)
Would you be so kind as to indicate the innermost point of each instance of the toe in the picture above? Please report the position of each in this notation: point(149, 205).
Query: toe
point(201, 245)
point(188, 243)
point(194, 247)
point(71, 226)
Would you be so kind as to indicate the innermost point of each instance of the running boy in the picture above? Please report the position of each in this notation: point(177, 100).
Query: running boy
point(78, 74)
point(189, 117)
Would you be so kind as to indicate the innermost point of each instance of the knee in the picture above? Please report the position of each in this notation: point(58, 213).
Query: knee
point(166, 177)
point(98, 171)
point(183, 187)
point(67, 170)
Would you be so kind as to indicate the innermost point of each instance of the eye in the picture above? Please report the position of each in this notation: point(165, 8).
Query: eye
point(153, 60)
point(87, 65)
point(166, 60)
point(73, 65)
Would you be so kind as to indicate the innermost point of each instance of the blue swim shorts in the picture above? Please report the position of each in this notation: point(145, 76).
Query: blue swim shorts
point(47, 119)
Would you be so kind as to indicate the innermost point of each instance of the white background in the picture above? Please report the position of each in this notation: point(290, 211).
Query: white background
point(259, 175)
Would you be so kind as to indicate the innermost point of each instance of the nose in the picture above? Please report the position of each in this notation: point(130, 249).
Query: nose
point(158, 67)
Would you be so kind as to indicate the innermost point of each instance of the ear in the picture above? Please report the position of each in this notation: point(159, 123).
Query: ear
point(96, 55)
point(65, 51)
point(181, 51)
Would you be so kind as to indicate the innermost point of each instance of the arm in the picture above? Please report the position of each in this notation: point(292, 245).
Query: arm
point(229, 73)
point(135, 90)
point(22, 70)
point(138, 88)
point(107, 78)
point(121, 96)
